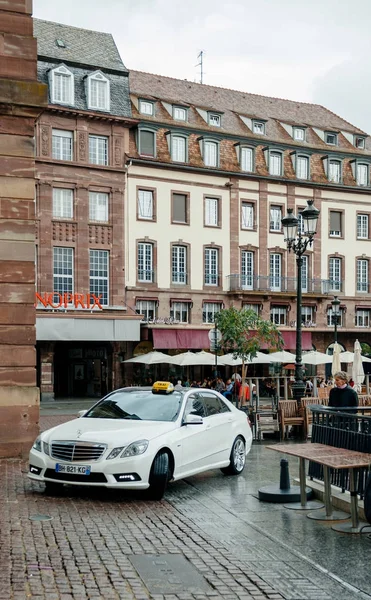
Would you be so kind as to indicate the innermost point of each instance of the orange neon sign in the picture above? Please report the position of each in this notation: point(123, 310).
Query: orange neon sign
point(67, 299)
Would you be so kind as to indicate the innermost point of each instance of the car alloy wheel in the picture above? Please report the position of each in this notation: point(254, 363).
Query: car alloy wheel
point(237, 458)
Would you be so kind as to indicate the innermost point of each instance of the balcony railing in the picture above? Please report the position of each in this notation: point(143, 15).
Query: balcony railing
point(263, 283)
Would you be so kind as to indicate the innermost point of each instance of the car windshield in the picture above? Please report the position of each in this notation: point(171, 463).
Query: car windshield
point(137, 405)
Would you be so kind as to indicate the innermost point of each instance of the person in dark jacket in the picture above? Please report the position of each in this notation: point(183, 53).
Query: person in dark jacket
point(342, 395)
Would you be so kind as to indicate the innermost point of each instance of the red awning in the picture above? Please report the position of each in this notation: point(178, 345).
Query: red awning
point(182, 339)
point(289, 339)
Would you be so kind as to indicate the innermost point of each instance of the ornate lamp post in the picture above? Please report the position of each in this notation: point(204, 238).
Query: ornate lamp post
point(335, 316)
point(298, 240)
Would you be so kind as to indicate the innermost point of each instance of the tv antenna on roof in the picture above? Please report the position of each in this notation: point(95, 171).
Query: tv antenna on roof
point(200, 64)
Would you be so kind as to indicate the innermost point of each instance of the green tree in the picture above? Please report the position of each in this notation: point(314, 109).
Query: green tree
point(244, 332)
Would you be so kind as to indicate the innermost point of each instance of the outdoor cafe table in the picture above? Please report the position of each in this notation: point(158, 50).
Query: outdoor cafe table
point(330, 458)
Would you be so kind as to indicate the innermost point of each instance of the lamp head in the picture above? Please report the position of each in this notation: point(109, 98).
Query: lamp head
point(310, 216)
point(290, 226)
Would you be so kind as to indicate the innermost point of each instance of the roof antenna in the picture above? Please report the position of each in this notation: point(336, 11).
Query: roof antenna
point(200, 64)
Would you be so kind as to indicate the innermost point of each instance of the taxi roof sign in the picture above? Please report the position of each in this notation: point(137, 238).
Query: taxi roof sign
point(162, 387)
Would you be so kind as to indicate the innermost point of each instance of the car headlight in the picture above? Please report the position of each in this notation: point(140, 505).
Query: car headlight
point(115, 452)
point(135, 448)
point(46, 448)
point(37, 444)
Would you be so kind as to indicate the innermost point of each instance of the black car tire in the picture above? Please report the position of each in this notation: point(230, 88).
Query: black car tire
point(159, 476)
point(237, 458)
point(53, 488)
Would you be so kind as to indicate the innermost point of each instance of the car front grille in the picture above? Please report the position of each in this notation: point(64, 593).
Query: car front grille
point(77, 451)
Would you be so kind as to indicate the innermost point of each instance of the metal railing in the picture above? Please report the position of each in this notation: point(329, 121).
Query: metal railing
point(264, 283)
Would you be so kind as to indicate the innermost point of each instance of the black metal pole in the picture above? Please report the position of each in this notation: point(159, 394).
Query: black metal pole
point(335, 317)
point(298, 388)
point(216, 350)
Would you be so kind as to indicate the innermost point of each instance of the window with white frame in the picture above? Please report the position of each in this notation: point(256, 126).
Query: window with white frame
point(335, 274)
point(308, 315)
point(362, 227)
point(62, 271)
point(335, 223)
point(178, 148)
point(247, 215)
point(209, 310)
point(98, 92)
point(362, 318)
point(62, 203)
point(332, 316)
point(98, 207)
point(211, 275)
point(275, 163)
point(275, 218)
point(359, 142)
point(302, 167)
point(99, 274)
point(214, 120)
point(180, 311)
point(147, 142)
point(98, 150)
point(362, 275)
point(362, 174)
point(212, 212)
point(210, 153)
point(258, 127)
point(331, 138)
point(279, 315)
point(334, 171)
point(304, 273)
point(62, 86)
point(147, 308)
point(299, 134)
point(145, 205)
point(247, 270)
point(254, 307)
point(146, 108)
point(247, 159)
point(145, 262)
point(275, 271)
point(179, 264)
point(62, 144)
point(179, 113)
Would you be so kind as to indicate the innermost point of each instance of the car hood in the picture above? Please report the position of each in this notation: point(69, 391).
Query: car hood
point(113, 432)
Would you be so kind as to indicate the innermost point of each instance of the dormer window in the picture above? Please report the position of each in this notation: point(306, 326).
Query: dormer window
point(331, 138)
point(359, 142)
point(298, 134)
point(179, 113)
point(146, 107)
point(214, 120)
point(61, 86)
point(98, 92)
point(258, 127)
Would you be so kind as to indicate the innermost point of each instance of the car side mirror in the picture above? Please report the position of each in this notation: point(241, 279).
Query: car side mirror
point(193, 420)
point(81, 413)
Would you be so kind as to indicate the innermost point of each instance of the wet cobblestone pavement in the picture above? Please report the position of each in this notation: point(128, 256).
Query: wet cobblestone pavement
point(243, 548)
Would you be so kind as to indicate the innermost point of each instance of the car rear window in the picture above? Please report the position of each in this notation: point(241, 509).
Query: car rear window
point(137, 405)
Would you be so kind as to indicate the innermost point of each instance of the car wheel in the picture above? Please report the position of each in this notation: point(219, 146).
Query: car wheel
point(53, 488)
point(159, 476)
point(237, 458)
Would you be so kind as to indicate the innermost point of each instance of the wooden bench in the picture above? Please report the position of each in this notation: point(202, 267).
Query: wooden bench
point(288, 414)
point(307, 413)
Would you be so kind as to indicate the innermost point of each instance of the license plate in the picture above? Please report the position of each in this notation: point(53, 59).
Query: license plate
point(73, 469)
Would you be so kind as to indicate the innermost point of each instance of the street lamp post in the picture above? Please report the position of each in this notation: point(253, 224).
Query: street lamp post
point(335, 316)
point(298, 239)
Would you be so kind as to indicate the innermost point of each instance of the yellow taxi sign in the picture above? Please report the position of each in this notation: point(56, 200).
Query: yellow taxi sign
point(162, 387)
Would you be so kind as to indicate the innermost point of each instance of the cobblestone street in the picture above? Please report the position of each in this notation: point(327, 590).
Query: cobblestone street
point(243, 548)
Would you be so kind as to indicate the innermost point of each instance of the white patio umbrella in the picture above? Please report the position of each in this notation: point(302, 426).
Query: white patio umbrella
point(260, 358)
point(188, 359)
point(228, 360)
point(282, 357)
point(336, 363)
point(348, 357)
point(151, 358)
point(207, 358)
point(358, 374)
point(316, 358)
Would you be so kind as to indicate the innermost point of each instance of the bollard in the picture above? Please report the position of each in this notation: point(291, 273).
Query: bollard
point(284, 492)
point(284, 474)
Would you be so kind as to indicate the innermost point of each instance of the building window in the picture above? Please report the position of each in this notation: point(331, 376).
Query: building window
point(210, 153)
point(62, 203)
point(362, 174)
point(211, 266)
point(212, 212)
point(98, 150)
point(335, 274)
point(299, 134)
point(62, 144)
point(275, 218)
point(258, 127)
point(275, 163)
point(304, 274)
point(362, 275)
point(331, 316)
point(209, 310)
point(247, 270)
point(62, 86)
point(362, 318)
point(62, 272)
point(99, 265)
point(179, 264)
point(145, 262)
point(179, 114)
point(247, 215)
point(247, 160)
point(179, 208)
point(98, 207)
point(308, 316)
point(145, 205)
point(359, 142)
point(98, 92)
point(279, 315)
point(147, 143)
point(334, 171)
point(302, 167)
point(362, 227)
point(335, 223)
point(147, 308)
point(254, 307)
point(178, 148)
point(146, 108)
point(214, 120)
point(179, 311)
point(275, 271)
point(331, 138)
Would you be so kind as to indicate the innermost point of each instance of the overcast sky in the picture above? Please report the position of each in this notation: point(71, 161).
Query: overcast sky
point(307, 50)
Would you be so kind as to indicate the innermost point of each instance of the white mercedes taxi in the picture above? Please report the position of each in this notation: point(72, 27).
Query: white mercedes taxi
point(142, 438)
